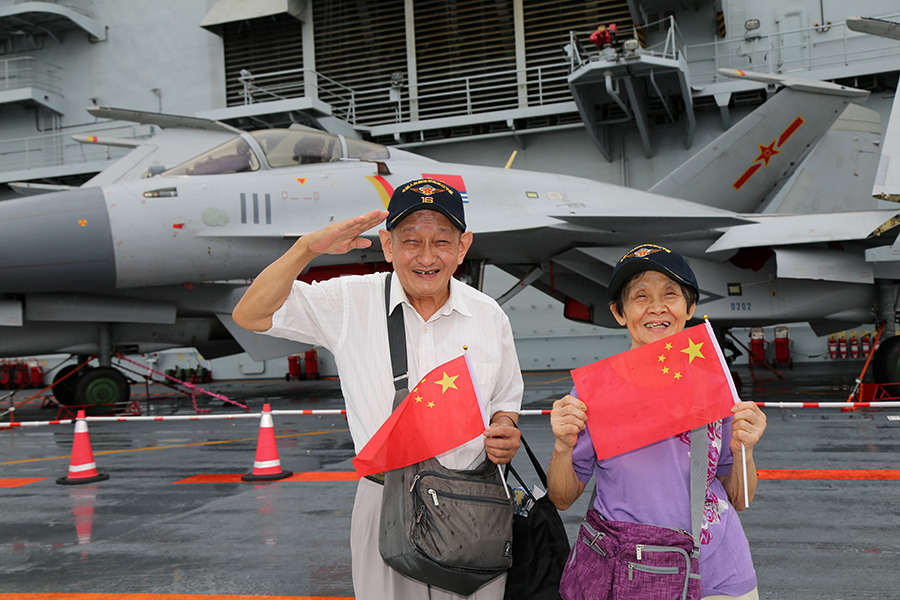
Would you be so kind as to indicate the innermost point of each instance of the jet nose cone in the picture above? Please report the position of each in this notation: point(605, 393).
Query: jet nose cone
point(56, 242)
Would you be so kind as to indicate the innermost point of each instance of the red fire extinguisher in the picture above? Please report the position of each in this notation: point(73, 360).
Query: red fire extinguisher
point(842, 344)
point(832, 346)
point(854, 345)
point(757, 346)
point(20, 376)
point(295, 368)
point(783, 347)
point(5, 376)
point(866, 343)
point(36, 374)
point(312, 364)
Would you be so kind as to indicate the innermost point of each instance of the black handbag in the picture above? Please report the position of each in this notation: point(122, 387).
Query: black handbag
point(447, 528)
point(540, 545)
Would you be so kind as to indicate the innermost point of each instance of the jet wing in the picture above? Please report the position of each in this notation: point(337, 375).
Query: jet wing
point(160, 119)
point(260, 347)
point(652, 225)
point(801, 85)
point(642, 213)
point(878, 27)
point(787, 230)
point(28, 188)
point(824, 265)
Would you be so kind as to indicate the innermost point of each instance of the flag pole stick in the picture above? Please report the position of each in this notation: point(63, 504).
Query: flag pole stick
point(735, 397)
point(744, 460)
point(503, 479)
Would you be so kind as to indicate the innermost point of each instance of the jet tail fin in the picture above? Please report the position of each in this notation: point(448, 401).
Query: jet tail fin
point(835, 177)
point(741, 168)
point(887, 180)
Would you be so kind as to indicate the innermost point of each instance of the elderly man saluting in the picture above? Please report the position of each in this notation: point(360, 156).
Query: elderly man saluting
point(425, 240)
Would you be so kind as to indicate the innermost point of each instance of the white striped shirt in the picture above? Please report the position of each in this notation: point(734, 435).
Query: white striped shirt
point(346, 315)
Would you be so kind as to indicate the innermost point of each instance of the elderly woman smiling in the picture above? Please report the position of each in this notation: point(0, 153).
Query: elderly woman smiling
point(653, 294)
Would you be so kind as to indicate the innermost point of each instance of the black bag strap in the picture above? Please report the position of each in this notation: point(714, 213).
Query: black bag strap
point(538, 468)
point(397, 341)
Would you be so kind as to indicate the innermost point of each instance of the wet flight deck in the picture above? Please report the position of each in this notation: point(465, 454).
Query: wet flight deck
point(172, 519)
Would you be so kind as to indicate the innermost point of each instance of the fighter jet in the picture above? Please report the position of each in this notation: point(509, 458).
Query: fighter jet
point(152, 254)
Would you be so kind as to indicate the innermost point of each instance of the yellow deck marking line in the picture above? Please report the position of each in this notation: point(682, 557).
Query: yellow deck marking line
point(28, 460)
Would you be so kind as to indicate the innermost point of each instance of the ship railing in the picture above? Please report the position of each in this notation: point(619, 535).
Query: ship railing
point(471, 94)
point(398, 102)
point(27, 71)
point(296, 83)
point(819, 51)
point(671, 46)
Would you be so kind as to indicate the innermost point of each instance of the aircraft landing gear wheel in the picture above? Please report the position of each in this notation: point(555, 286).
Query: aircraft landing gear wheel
point(886, 362)
point(102, 389)
point(64, 391)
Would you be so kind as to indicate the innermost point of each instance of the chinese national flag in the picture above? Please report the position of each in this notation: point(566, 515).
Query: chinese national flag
point(442, 412)
point(656, 391)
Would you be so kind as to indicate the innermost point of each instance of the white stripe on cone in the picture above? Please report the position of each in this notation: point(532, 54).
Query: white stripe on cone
point(267, 464)
point(80, 468)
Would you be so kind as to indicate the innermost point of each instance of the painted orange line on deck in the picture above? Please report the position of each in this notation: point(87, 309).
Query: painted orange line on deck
point(854, 474)
point(124, 596)
point(12, 482)
point(310, 476)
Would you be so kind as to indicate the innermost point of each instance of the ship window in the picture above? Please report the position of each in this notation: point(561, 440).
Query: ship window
point(288, 147)
point(234, 156)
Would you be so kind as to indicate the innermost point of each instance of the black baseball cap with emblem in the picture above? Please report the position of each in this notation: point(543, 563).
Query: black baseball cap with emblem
point(426, 194)
point(650, 257)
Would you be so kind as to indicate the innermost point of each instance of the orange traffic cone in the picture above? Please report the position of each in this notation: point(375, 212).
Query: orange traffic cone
point(82, 468)
point(267, 466)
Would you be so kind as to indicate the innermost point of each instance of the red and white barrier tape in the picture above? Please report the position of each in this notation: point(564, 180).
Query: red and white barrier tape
point(340, 411)
point(828, 404)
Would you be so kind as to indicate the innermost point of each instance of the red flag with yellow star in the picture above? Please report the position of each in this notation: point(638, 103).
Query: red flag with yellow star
point(442, 412)
point(656, 391)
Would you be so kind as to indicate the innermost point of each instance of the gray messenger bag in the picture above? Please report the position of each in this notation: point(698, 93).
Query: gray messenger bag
point(443, 527)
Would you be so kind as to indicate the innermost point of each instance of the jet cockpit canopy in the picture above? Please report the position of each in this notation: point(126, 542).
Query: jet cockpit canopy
point(234, 156)
point(280, 148)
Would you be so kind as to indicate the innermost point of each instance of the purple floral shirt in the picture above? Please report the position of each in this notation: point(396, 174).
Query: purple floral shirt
point(651, 485)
